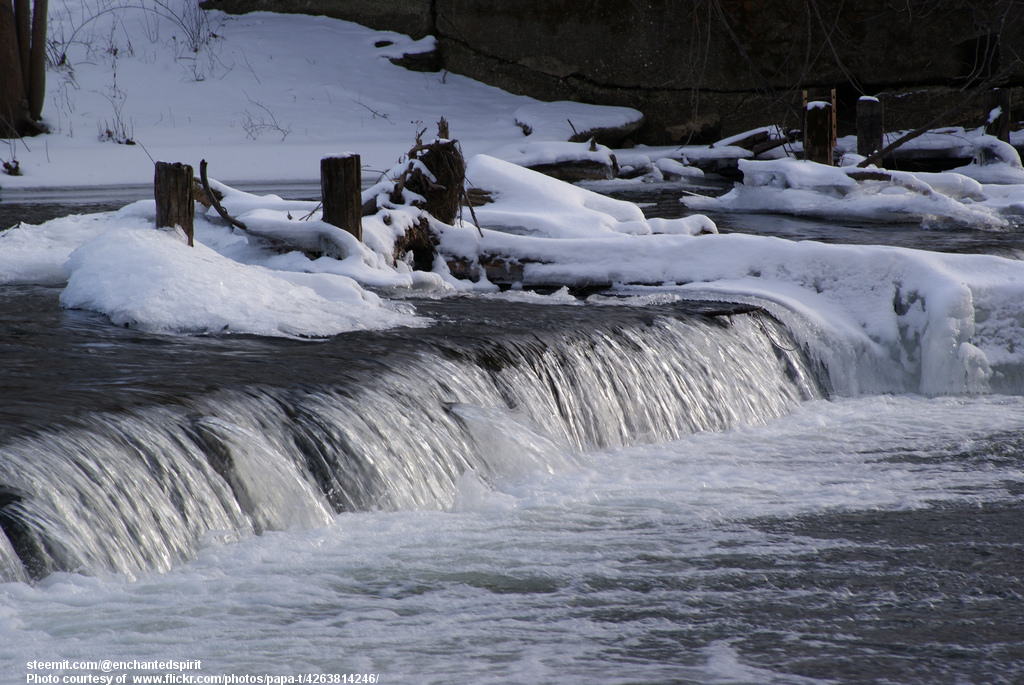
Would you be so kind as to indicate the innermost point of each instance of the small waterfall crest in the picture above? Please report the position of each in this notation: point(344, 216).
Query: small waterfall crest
point(143, 489)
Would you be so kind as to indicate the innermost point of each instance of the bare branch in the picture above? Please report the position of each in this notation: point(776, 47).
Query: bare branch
point(214, 201)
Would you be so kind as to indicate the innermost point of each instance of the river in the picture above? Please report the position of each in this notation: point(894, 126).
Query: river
point(518, 493)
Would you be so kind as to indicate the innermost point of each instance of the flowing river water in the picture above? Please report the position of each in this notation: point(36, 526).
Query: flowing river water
point(518, 493)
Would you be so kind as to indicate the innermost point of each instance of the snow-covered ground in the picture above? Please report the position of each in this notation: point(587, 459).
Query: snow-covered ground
point(265, 97)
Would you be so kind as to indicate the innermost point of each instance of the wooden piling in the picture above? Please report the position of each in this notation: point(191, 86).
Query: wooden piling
point(341, 191)
point(870, 126)
point(175, 204)
point(819, 130)
point(997, 114)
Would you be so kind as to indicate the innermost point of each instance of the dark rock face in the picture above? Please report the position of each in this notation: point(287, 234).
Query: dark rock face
point(412, 17)
point(705, 68)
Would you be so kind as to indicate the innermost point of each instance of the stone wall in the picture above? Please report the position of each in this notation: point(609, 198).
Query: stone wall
point(412, 17)
point(701, 69)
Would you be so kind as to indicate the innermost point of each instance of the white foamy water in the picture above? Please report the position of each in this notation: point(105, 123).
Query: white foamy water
point(657, 563)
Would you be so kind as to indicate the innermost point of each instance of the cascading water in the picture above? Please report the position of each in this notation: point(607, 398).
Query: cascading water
point(123, 491)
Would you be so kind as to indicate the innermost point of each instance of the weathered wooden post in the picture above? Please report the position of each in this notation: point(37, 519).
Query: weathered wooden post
point(997, 114)
point(175, 205)
point(819, 130)
point(870, 126)
point(341, 191)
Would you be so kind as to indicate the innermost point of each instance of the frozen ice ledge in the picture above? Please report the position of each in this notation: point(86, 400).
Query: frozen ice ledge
point(131, 451)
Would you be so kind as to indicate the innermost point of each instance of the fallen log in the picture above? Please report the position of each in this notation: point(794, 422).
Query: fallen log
point(314, 240)
point(869, 175)
point(499, 270)
point(573, 171)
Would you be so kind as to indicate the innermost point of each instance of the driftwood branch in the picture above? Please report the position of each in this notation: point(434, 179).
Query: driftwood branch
point(472, 213)
point(984, 87)
point(214, 201)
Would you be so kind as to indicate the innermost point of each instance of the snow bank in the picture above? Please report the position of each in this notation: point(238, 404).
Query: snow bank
point(994, 162)
point(149, 279)
point(530, 203)
point(803, 188)
point(531, 153)
point(249, 102)
point(564, 120)
point(36, 254)
point(118, 264)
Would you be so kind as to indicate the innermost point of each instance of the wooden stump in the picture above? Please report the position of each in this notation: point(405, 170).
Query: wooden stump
point(444, 193)
point(341, 191)
point(175, 206)
point(819, 136)
point(997, 113)
point(870, 126)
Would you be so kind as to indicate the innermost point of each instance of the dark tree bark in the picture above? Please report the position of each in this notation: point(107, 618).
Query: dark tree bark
point(13, 104)
point(22, 66)
point(23, 20)
point(36, 85)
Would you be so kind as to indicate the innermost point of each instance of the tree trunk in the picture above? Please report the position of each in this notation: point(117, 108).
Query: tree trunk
point(23, 21)
point(13, 103)
point(22, 66)
point(36, 85)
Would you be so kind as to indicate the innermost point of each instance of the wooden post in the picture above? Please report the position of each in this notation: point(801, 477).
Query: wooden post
point(341, 190)
point(835, 113)
point(175, 206)
point(997, 114)
point(820, 129)
point(870, 126)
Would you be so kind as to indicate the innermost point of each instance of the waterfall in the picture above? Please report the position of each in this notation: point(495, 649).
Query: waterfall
point(144, 488)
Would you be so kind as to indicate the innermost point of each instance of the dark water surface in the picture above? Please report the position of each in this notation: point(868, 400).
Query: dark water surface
point(932, 595)
point(34, 206)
